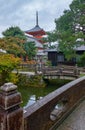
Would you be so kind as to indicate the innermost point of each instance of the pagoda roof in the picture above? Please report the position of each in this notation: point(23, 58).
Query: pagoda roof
point(36, 30)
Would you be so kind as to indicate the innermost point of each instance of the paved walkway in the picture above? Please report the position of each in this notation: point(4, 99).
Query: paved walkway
point(24, 72)
point(76, 120)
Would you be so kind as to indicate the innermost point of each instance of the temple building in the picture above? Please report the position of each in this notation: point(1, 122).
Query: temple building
point(36, 32)
point(35, 35)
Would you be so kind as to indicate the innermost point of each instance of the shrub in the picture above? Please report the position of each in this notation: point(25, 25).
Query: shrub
point(32, 81)
point(12, 78)
point(7, 63)
point(81, 62)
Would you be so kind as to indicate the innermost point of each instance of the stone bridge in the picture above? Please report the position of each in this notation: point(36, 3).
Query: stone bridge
point(66, 72)
point(46, 114)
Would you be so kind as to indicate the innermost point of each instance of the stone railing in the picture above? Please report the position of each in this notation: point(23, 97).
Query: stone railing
point(49, 112)
point(45, 114)
point(62, 70)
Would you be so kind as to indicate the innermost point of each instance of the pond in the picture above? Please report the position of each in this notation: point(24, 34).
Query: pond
point(31, 94)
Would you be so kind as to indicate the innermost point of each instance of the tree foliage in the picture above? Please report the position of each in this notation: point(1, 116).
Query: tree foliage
point(64, 23)
point(70, 27)
point(51, 37)
point(12, 45)
point(81, 61)
point(30, 49)
point(15, 42)
point(7, 63)
point(14, 32)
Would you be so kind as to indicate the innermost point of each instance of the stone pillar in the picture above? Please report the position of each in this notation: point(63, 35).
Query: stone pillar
point(11, 115)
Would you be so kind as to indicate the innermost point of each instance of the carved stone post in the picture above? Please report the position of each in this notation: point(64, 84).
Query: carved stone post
point(11, 115)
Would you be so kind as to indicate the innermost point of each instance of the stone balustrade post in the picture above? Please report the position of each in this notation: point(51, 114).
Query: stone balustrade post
point(11, 114)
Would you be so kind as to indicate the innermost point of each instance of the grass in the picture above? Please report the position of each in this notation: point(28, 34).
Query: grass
point(82, 74)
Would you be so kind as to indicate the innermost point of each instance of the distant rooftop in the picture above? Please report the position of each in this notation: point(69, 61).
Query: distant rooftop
point(80, 48)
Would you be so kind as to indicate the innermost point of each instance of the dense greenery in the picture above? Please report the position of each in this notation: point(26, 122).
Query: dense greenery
point(15, 42)
point(7, 64)
point(51, 37)
point(14, 32)
point(30, 50)
point(32, 81)
point(70, 28)
point(12, 45)
point(81, 61)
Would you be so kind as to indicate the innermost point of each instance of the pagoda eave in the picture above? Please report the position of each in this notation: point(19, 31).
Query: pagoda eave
point(37, 33)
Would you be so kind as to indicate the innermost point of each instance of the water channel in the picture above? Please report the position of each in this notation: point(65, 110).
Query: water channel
point(31, 94)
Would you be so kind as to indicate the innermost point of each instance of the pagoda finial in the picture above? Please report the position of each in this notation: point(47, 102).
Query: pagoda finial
point(36, 18)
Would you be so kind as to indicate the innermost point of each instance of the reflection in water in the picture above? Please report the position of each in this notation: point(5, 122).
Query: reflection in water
point(31, 94)
point(32, 100)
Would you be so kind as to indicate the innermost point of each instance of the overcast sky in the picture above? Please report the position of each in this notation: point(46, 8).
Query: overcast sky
point(22, 13)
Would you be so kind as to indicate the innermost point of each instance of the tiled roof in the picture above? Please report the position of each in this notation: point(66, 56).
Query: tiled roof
point(80, 48)
point(36, 28)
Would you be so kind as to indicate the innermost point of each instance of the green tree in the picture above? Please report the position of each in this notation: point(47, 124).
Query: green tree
point(51, 37)
point(30, 49)
point(15, 42)
point(12, 46)
point(14, 32)
point(14, 39)
point(64, 23)
point(81, 61)
point(70, 27)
